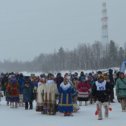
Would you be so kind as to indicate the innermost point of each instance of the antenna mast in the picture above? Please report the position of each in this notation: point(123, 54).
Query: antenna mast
point(104, 20)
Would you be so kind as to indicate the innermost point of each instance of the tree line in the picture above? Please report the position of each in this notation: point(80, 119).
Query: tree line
point(86, 56)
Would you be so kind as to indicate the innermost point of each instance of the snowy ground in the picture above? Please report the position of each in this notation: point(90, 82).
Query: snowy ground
point(85, 117)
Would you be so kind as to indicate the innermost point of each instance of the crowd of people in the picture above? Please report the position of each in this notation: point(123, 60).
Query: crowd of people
point(64, 94)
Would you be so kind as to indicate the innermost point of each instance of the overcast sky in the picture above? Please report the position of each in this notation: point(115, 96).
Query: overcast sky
point(31, 27)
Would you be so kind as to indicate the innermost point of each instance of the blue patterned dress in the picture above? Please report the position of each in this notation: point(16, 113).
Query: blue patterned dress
point(65, 99)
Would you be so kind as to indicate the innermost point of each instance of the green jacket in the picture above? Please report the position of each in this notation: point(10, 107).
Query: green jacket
point(121, 88)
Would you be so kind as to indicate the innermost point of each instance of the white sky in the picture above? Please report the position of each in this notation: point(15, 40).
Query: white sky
point(31, 27)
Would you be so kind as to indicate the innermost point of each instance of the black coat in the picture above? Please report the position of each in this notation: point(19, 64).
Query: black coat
point(103, 94)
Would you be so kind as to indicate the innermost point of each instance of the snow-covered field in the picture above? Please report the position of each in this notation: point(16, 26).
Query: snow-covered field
point(85, 117)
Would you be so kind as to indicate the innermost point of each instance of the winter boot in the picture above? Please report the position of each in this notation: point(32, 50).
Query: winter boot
point(80, 103)
point(12, 105)
point(16, 104)
point(26, 105)
point(31, 105)
point(65, 114)
point(86, 103)
point(7, 103)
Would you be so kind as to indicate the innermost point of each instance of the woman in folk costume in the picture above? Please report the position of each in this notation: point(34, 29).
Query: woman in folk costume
point(40, 94)
point(101, 90)
point(66, 97)
point(14, 93)
point(7, 93)
point(50, 93)
point(84, 90)
point(75, 82)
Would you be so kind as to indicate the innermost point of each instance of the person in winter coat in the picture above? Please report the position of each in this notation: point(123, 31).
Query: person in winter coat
point(14, 93)
point(7, 96)
point(75, 94)
point(91, 81)
point(1, 95)
point(28, 95)
point(50, 93)
point(101, 90)
point(4, 82)
point(121, 90)
point(112, 83)
point(58, 80)
point(84, 90)
point(34, 83)
point(21, 82)
point(82, 75)
point(66, 92)
point(40, 94)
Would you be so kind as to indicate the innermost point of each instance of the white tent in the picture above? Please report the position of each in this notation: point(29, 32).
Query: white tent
point(123, 66)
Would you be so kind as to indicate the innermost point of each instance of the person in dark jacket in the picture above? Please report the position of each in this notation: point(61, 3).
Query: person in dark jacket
point(82, 75)
point(58, 80)
point(101, 91)
point(21, 82)
point(4, 82)
point(112, 84)
point(28, 95)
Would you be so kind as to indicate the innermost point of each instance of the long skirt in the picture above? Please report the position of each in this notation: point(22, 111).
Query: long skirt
point(83, 96)
point(49, 108)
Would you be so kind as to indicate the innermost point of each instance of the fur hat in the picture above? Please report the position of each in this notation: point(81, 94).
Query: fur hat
point(101, 76)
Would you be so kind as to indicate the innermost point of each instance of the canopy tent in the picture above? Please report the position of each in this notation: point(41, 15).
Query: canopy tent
point(123, 66)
